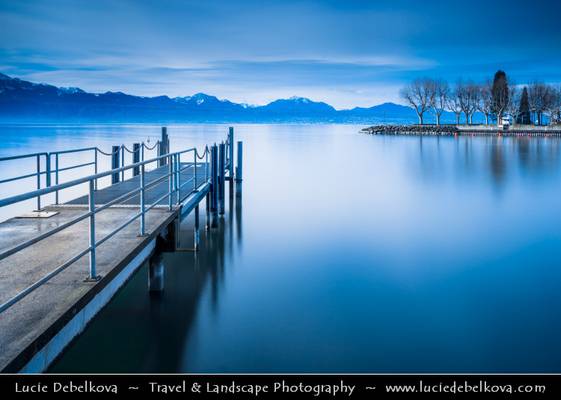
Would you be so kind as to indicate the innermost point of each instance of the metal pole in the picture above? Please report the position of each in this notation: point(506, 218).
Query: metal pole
point(48, 170)
point(206, 163)
point(135, 158)
point(196, 232)
point(214, 177)
point(95, 166)
point(91, 203)
point(231, 152)
point(177, 177)
point(195, 170)
point(142, 207)
point(222, 171)
point(38, 181)
point(170, 181)
point(240, 162)
point(56, 177)
point(122, 162)
point(115, 164)
point(164, 146)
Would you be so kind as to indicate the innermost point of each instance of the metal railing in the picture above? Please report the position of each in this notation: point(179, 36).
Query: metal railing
point(173, 194)
point(173, 176)
point(49, 158)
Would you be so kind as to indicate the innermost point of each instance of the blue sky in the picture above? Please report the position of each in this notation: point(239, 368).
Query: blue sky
point(347, 53)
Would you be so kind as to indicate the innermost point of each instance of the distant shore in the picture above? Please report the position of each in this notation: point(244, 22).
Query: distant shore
point(466, 130)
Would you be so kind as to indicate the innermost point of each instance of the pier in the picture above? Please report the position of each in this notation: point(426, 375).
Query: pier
point(63, 261)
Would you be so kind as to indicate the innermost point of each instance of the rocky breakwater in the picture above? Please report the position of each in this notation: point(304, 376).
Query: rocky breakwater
point(427, 130)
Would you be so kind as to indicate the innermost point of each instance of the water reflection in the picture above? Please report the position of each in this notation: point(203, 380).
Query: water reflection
point(502, 158)
point(150, 332)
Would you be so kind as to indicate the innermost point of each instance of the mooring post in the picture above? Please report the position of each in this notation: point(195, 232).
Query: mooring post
point(222, 177)
point(115, 164)
point(136, 158)
point(196, 231)
point(123, 162)
point(214, 178)
point(239, 172)
point(240, 162)
point(156, 273)
point(163, 148)
point(231, 151)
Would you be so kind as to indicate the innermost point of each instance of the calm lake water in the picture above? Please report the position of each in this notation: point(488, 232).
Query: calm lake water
point(345, 253)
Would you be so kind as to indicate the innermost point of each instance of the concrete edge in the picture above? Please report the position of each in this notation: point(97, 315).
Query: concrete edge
point(68, 325)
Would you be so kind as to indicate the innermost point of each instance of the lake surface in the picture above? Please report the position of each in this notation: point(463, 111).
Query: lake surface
point(345, 253)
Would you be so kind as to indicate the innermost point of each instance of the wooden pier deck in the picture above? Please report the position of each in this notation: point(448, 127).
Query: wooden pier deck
point(35, 329)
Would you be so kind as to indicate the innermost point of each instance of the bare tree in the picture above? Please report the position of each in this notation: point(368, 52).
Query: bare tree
point(468, 97)
point(555, 106)
point(513, 106)
point(485, 100)
point(454, 105)
point(419, 94)
point(440, 99)
point(540, 96)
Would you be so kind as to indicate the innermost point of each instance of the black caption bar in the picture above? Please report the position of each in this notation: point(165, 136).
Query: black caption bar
point(282, 386)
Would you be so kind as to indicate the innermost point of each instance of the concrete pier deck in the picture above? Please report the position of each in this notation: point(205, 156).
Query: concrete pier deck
point(35, 329)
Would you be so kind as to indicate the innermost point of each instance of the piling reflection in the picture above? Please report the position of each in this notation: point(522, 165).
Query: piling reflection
point(146, 333)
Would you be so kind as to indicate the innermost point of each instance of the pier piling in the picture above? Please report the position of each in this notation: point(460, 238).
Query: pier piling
point(221, 177)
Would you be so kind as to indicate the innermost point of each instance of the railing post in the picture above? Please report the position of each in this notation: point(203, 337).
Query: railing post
point(56, 177)
point(115, 164)
point(91, 207)
point(122, 162)
point(231, 151)
point(38, 181)
point(136, 158)
point(142, 206)
point(195, 186)
point(170, 181)
point(95, 167)
point(177, 178)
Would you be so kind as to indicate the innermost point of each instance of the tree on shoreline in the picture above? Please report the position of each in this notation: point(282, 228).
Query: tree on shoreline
point(468, 97)
point(420, 95)
point(524, 117)
point(485, 103)
point(541, 97)
point(499, 98)
point(440, 98)
point(500, 93)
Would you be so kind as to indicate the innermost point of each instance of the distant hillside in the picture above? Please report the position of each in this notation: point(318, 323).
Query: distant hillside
point(26, 101)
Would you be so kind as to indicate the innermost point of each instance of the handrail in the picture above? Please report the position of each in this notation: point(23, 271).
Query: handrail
point(173, 174)
point(48, 171)
point(173, 158)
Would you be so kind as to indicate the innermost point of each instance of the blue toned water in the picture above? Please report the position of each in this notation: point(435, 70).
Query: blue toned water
point(346, 253)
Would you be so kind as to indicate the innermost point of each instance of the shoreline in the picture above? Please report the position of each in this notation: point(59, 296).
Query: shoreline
point(457, 130)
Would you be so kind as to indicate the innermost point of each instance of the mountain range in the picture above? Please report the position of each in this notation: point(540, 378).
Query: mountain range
point(23, 101)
